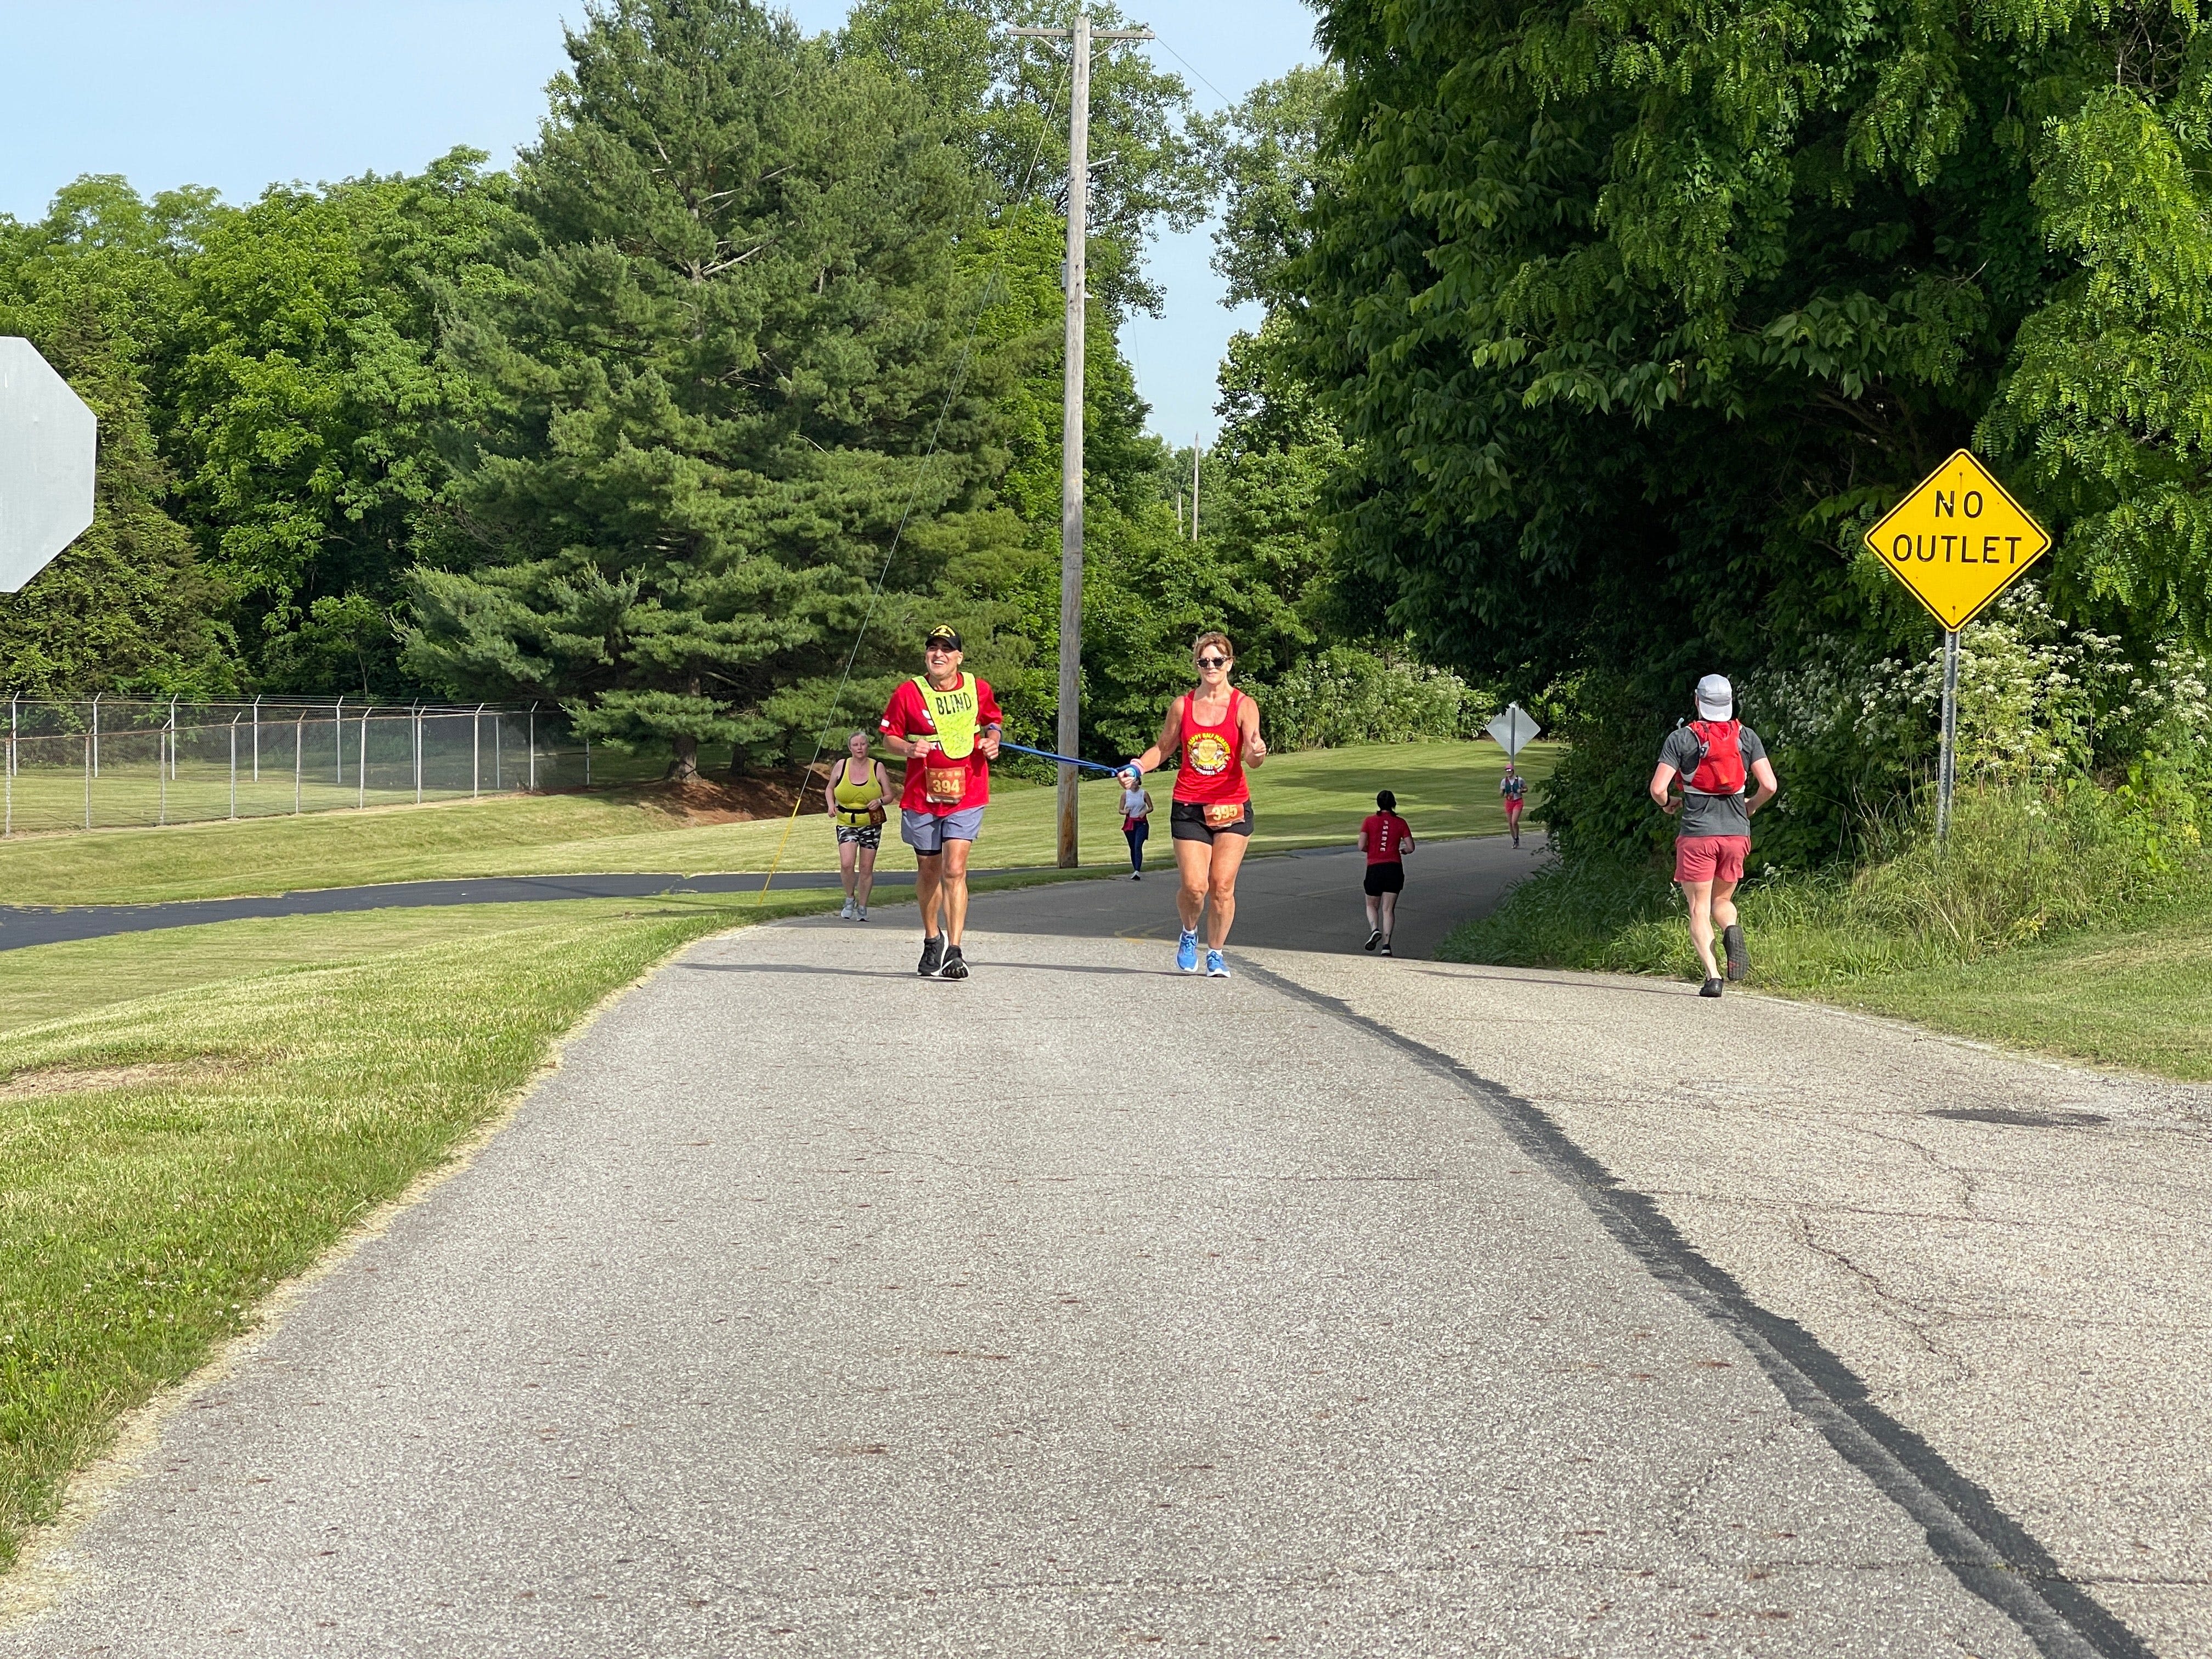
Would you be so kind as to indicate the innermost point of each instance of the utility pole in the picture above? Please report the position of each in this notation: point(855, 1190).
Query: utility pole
point(1194, 454)
point(1080, 37)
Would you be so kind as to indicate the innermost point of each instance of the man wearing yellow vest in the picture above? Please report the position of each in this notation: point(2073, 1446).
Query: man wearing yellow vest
point(945, 723)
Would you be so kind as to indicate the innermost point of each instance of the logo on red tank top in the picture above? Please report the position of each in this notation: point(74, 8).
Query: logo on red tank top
point(1208, 754)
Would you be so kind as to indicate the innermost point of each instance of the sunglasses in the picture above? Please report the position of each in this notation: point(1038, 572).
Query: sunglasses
point(1215, 662)
point(934, 649)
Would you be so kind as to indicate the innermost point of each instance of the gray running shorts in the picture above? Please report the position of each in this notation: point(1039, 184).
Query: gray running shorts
point(927, 832)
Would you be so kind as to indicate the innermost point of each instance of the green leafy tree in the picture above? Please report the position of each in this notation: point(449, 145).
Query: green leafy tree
point(2109, 400)
point(1270, 160)
point(1634, 317)
point(126, 607)
point(1279, 446)
point(1006, 98)
point(300, 388)
point(712, 396)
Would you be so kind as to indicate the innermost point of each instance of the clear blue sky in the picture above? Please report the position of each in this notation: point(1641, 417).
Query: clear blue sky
point(241, 93)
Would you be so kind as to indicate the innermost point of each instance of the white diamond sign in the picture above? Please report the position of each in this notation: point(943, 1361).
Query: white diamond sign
point(49, 441)
point(1513, 730)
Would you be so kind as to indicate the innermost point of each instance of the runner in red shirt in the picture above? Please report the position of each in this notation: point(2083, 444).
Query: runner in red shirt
point(945, 723)
point(1386, 839)
point(1216, 729)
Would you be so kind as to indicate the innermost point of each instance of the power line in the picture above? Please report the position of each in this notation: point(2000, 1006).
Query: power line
point(1227, 102)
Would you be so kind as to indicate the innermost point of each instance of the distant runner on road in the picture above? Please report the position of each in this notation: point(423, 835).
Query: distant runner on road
point(1136, 818)
point(1386, 839)
point(1515, 788)
point(1217, 728)
point(945, 723)
point(1711, 756)
point(857, 792)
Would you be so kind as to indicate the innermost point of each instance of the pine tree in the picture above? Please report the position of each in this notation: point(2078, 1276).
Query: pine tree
point(713, 387)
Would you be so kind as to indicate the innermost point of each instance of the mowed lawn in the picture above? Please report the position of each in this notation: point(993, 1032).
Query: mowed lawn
point(2139, 997)
point(189, 1118)
point(1301, 799)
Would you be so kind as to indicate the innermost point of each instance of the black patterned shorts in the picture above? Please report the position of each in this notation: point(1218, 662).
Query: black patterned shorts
point(870, 835)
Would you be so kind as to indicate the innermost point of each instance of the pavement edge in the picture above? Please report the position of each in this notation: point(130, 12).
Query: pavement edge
point(1989, 1552)
point(43, 1571)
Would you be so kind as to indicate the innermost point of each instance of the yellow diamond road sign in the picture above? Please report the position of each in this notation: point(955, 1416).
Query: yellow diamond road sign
point(1958, 540)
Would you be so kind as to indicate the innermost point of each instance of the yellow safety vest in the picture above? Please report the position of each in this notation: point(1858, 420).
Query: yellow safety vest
point(952, 712)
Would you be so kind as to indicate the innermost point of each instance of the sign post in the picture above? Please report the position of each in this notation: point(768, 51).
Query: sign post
point(1957, 541)
point(49, 442)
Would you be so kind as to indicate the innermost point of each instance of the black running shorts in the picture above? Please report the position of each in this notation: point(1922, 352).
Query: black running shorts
point(1187, 822)
point(1385, 878)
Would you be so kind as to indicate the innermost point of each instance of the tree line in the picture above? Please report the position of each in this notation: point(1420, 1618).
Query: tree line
point(639, 424)
point(1592, 341)
point(1633, 316)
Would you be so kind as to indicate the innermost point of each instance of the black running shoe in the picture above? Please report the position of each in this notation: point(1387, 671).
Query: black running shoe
point(933, 957)
point(1386, 947)
point(1739, 954)
point(1374, 939)
point(956, 965)
point(1712, 987)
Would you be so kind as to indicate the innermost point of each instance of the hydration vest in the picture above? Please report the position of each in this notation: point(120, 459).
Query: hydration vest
point(1720, 769)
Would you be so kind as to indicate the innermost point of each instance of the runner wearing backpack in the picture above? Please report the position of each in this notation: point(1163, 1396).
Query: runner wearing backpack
point(1712, 756)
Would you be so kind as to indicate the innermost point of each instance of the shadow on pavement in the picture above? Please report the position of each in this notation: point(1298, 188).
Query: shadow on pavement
point(880, 973)
point(1307, 901)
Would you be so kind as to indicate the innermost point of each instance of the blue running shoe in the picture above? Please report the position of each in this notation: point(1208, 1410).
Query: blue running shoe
point(1216, 966)
point(1187, 953)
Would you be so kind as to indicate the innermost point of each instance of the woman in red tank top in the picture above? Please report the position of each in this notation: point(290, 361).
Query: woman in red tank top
point(1215, 729)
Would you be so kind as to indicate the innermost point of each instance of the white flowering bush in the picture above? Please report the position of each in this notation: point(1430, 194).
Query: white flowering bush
point(2037, 699)
point(2032, 692)
point(1346, 695)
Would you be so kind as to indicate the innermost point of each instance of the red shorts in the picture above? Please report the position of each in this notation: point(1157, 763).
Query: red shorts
point(1711, 858)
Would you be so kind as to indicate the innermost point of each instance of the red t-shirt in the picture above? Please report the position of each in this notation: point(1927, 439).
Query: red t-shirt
point(1386, 834)
point(908, 716)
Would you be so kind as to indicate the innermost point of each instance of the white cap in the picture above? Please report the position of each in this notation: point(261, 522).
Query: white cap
point(1715, 698)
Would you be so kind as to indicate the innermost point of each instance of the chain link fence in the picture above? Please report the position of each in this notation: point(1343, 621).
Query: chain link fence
point(112, 762)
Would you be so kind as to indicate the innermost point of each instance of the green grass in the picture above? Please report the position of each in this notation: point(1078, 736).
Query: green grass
point(2053, 922)
point(2134, 995)
point(266, 1085)
point(1304, 799)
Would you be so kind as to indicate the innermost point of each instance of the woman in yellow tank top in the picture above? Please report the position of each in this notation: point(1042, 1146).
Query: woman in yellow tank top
point(857, 793)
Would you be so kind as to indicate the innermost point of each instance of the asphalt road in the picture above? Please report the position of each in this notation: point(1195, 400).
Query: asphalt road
point(1345, 1306)
point(1452, 880)
point(1307, 901)
point(22, 926)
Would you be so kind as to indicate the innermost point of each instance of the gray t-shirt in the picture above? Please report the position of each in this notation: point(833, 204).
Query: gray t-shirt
point(1710, 815)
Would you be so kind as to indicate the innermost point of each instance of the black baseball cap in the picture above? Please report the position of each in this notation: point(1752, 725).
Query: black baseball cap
point(945, 632)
